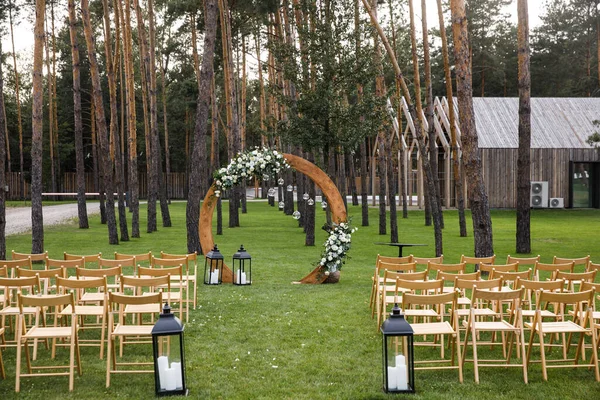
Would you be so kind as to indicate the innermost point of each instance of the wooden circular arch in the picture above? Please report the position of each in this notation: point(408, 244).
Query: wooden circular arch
point(320, 178)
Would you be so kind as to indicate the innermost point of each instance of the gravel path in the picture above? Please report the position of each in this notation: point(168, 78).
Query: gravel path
point(18, 219)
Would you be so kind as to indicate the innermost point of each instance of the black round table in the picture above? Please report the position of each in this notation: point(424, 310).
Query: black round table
point(400, 246)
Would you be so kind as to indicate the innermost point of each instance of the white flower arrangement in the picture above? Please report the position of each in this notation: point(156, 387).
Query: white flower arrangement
point(336, 246)
point(262, 163)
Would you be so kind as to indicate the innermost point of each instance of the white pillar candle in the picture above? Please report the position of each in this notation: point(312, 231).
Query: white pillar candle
point(178, 378)
point(243, 279)
point(170, 382)
point(400, 360)
point(392, 378)
point(402, 377)
point(163, 365)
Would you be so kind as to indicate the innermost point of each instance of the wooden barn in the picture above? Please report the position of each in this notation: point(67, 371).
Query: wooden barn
point(560, 154)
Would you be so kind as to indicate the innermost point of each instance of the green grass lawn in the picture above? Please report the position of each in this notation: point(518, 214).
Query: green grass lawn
point(276, 340)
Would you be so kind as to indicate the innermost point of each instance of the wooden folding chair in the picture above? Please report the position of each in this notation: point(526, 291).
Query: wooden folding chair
point(11, 266)
point(40, 331)
point(377, 277)
point(151, 302)
point(79, 287)
point(191, 271)
point(379, 281)
point(477, 261)
point(432, 307)
point(36, 258)
point(593, 267)
point(172, 261)
point(177, 292)
point(385, 298)
point(522, 260)
point(510, 328)
point(68, 266)
point(545, 270)
point(580, 302)
point(465, 287)
point(127, 266)
point(531, 292)
point(113, 280)
point(9, 308)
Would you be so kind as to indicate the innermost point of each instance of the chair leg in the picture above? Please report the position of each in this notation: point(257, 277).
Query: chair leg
point(18, 368)
point(108, 359)
point(102, 335)
point(475, 362)
point(522, 340)
point(543, 355)
point(72, 358)
point(459, 357)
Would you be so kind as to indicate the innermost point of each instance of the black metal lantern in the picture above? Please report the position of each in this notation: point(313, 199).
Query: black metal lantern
point(398, 361)
point(169, 355)
point(213, 267)
point(242, 267)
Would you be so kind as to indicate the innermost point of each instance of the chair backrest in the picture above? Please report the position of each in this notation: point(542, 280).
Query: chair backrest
point(68, 266)
point(394, 260)
point(407, 276)
point(439, 301)
point(458, 268)
point(551, 268)
point(47, 276)
point(426, 260)
point(490, 284)
point(449, 276)
point(124, 299)
point(98, 273)
point(477, 261)
point(576, 261)
point(190, 256)
point(510, 276)
point(138, 257)
point(578, 300)
point(512, 267)
point(34, 256)
point(30, 285)
point(175, 271)
point(433, 286)
point(87, 259)
point(522, 260)
point(46, 301)
point(576, 276)
point(405, 267)
point(500, 296)
point(157, 262)
point(151, 284)
point(89, 283)
point(11, 265)
point(128, 265)
point(589, 286)
point(532, 288)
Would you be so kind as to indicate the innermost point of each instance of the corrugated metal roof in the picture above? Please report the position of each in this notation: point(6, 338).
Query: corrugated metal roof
point(555, 122)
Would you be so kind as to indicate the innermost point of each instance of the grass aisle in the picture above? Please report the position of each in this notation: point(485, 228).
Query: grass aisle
point(276, 340)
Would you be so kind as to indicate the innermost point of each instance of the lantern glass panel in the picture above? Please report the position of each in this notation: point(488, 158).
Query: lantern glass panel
point(397, 364)
point(170, 369)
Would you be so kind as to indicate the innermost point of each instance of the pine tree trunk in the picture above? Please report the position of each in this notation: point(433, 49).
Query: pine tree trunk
point(233, 135)
point(458, 182)
point(111, 62)
point(37, 125)
point(125, 15)
point(97, 172)
point(166, 126)
point(433, 151)
point(106, 165)
point(197, 177)
point(352, 178)
point(158, 187)
point(80, 168)
point(51, 145)
point(523, 160)
point(364, 192)
point(478, 200)
point(309, 221)
point(19, 119)
point(2, 166)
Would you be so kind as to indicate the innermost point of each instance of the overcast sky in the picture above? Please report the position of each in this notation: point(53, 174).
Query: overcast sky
point(24, 30)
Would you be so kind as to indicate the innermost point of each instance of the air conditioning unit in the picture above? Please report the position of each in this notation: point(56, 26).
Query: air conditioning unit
point(539, 194)
point(556, 202)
